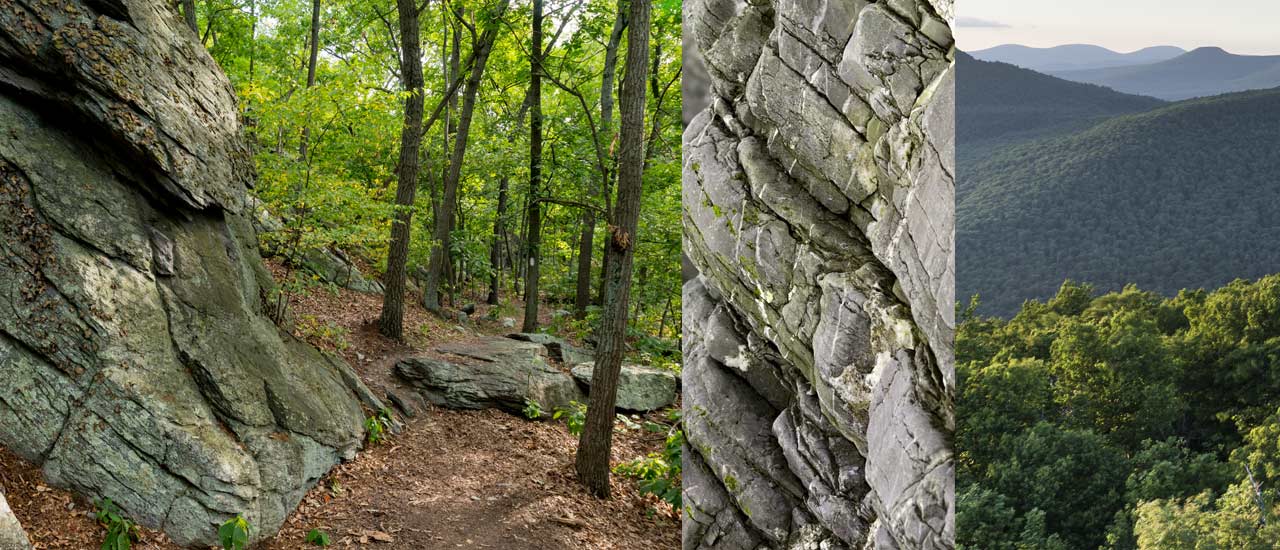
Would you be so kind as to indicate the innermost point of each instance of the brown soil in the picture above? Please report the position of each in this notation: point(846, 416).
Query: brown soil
point(451, 479)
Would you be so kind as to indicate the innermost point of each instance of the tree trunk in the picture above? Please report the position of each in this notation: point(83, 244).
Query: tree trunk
point(533, 238)
point(189, 13)
point(596, 444)
point(450, 66)
point(586, 241)
point(495, 252)
point(392, 322)
point(311, 73)
point(449, 197)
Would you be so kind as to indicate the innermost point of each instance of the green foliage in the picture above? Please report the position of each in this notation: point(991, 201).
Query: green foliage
point(121, 531)
point(325, 335)
point(1122, 421)
point(532, 409)
point(377, 427)
point(234, 534)
point(575, 415)
point(659, 473)
point(340, 194)
point(316, 537)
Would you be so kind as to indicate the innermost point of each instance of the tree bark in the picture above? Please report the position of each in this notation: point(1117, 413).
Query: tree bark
point(311, 73)
point(449, 198)
point(391, 324)
point(189, 13)
point(596, 444)
point(450, 66)
point(533, 238)
point(495, 246)
point(586, 241)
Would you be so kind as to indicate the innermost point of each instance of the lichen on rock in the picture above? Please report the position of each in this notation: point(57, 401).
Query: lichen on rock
point(137, 361)
point(818, 211)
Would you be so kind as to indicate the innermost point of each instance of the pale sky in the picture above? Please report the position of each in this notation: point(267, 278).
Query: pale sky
point(1238, 26)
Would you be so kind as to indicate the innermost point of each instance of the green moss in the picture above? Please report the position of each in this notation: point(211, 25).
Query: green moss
point(731, 483)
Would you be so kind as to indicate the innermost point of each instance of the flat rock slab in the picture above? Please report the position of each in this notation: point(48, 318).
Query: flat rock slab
point(640, 388)
point(501, 373)
point(12, 537)
point(557, 348)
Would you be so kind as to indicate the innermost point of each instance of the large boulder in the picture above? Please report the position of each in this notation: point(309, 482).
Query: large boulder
point(640, 388)
point(818, 211)
point(12, 537)
point(490, 372)
point(138, 363)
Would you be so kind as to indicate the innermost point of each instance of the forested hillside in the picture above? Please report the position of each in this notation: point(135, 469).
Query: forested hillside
point(1001, 104)
point(1122, 421)
point(325, 111)
point(1179, 197)
point(288, 273)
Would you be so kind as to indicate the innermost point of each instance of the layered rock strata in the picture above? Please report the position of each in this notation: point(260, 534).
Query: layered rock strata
point(135, 359)
point(818, 211)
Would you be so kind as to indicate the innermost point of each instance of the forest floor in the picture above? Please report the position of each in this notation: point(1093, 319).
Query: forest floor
point(451, 479)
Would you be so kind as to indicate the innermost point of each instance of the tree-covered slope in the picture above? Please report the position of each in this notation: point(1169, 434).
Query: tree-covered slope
point(1199, 73)
point(1126, 421)
point(1070, 57)
point(1184, 196)
point(999, 104)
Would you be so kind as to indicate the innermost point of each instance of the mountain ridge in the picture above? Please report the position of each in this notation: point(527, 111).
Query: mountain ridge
point(1171, 198)
point(1073, 56)
point(1201, 72)
point(1001, 104)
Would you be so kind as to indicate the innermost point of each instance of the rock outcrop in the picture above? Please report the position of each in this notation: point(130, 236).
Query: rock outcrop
point(818, 337)
point(12, 537)
point(490, 372)
point(136, 361)
point(640, 388)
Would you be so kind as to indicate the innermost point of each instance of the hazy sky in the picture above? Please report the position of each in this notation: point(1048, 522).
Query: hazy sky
point(1239, 26)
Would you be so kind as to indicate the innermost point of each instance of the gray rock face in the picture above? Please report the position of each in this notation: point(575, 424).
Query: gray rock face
point(12, 537)
point(640, 388)
point(818, 339)
point(138, 364)
point(491, 372)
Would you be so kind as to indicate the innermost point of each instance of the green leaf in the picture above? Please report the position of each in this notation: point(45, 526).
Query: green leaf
point(317, 537)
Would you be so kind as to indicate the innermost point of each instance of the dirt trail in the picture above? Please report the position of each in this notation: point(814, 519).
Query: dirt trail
point(452, 479)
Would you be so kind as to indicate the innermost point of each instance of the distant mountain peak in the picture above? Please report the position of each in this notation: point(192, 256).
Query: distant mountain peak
point(1207, 51)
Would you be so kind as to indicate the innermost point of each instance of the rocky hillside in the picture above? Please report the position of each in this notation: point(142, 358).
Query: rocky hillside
point(138, 362)
point(818, 195)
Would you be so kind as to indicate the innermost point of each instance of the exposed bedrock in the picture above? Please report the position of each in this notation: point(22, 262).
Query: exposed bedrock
point(12, 537)
point(818, 204)
point(137, 362)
